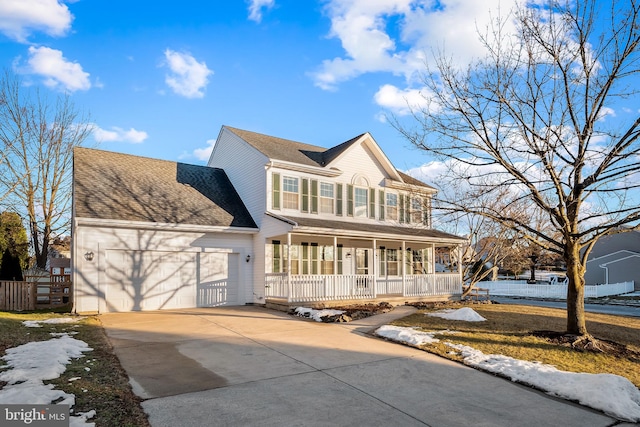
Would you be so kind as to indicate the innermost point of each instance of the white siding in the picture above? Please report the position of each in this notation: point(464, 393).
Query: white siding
point(165, 260)
point(359, 160)
point(245, 167)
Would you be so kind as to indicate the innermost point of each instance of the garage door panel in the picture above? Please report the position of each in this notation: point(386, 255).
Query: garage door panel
point(155, 280)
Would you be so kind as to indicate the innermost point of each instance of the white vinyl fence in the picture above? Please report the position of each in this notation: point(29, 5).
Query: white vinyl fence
point(521, 288)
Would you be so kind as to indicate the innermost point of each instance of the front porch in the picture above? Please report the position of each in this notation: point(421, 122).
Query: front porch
point(338, 289)
point(323, 263)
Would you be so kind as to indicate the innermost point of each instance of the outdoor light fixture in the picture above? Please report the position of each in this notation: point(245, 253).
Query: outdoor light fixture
point(88, 256)
point(248, 258)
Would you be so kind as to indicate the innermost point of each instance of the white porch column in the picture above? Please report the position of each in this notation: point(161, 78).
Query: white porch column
point(289, 289)
point(433, 258)
point(375, 269)
point(460, 278)
point(335, 255)
point(404, 268)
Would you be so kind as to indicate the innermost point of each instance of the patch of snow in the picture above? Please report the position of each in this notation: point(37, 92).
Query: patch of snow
point(612, 394)
point(316, 315)
point(466, 314)
point(52, 321)
point(29, 365)
point(72, 379)
point(407, 335)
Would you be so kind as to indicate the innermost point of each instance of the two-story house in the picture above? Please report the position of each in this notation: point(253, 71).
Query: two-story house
point(268, 220)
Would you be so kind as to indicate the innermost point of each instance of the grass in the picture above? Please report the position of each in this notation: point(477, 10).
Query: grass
point(508, 331)
point(104, 387)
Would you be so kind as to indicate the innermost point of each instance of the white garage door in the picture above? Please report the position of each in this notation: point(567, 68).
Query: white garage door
point(156, 280)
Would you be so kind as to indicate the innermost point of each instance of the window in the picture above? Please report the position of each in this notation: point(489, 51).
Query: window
point(392, 262)
point(416, 210)
point(326, 263)
point(326, 198)
point(289, 192)
point(381, 200)
point(392, 206)
point(295, 259)
point(418, 263)
point(426, 213)
point(360, 202)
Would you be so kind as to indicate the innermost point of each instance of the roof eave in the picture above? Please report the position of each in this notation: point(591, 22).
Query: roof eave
point(161, 226)
point(297, 167)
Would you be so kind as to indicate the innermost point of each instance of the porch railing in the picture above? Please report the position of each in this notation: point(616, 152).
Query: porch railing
point(312, 288)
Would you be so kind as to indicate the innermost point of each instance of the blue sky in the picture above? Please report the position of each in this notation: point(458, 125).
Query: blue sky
point(159, 79)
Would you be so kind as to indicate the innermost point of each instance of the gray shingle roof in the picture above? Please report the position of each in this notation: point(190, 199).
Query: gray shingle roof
point(117, 186)
point(413, 181)
point(292, 151)
point(305, 154)
point(407, 232)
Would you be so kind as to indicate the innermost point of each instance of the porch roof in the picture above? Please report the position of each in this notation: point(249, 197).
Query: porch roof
point(371, 230)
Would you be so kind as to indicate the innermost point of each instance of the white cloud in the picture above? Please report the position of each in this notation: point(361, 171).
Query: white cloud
point(256, 7)
point(401, 102)
point(394, 35)
point(19, 18)
point(58, 72)
point(117, 134)
point(606, 112)
point(187, 76)
point(204, 153)
point(429, 172)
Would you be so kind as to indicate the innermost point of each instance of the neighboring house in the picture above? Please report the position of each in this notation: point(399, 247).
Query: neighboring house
point(268, 220)
point(615, 259)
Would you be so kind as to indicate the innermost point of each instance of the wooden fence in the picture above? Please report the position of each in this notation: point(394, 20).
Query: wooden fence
point(25, 296)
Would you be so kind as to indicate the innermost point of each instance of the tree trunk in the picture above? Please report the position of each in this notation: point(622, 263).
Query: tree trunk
point(576, 322)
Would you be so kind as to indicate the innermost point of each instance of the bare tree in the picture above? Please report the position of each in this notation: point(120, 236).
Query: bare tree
point(491, 244)
point(37, 139)
point(533, 119)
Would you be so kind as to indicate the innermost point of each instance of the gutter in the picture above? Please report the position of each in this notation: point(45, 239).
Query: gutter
point(162, 226)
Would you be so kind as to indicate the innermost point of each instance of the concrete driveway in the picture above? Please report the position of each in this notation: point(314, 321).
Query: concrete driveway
point(250, 366)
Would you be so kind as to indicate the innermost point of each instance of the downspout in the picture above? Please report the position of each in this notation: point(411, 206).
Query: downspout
point(606, 273)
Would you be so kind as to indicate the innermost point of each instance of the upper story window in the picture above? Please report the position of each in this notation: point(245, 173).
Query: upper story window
point(326, 198)
point(361, 202)
point(416, 210)
point(290, 198)
point(392, 206)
